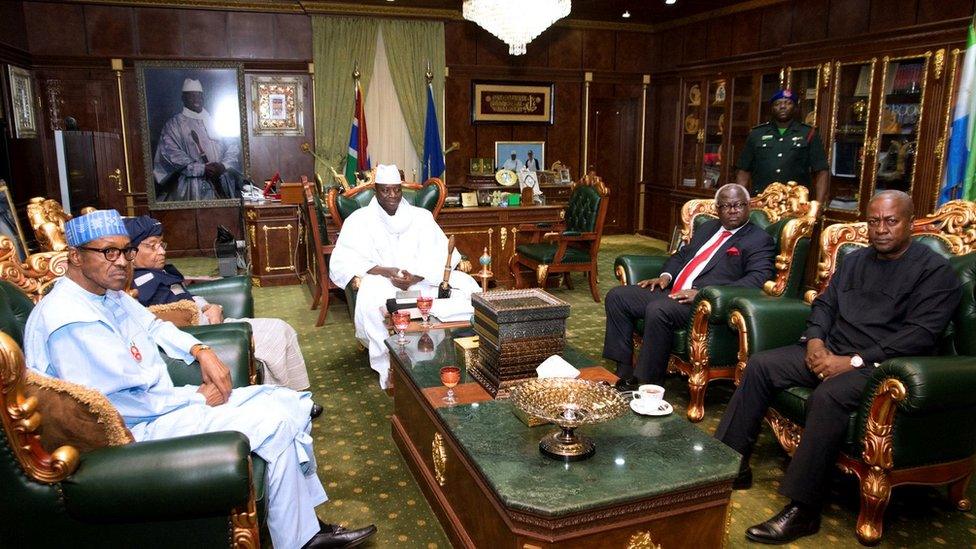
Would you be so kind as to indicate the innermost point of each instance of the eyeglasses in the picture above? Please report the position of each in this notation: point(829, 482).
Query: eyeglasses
point(112, 253)
point(161, 245)
point(732, 205)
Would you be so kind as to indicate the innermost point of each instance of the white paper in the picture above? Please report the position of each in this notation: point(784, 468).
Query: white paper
point(556, 366)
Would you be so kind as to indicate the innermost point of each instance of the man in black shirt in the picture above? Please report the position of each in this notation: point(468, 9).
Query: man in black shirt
point(890, 299)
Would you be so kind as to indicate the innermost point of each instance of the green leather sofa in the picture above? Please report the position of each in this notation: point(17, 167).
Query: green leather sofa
point(708, 349)
point(195, 491)
point(571, 247)
point(429, 195)
point(915, 422)
point(233, 293)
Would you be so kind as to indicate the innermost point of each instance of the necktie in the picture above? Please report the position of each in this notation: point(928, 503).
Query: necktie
point(695, 261)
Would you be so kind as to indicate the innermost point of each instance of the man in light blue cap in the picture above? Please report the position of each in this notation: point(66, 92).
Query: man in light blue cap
point(90, 332)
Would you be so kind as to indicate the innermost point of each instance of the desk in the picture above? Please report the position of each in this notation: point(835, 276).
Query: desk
point(652, 480)
point(275, 241)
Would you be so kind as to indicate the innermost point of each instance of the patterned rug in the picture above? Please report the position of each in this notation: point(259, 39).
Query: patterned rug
point(369, 482)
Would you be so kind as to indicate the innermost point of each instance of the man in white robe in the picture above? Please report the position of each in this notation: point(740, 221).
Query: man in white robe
point(89, 332)
point(192, 160)
point(512, 163)
point(393, 246)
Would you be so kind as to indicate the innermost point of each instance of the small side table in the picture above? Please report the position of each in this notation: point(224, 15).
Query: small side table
point(275, 236)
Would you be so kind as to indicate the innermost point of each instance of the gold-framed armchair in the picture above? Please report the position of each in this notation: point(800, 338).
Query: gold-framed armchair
point(913, 424)
point(570, 247)
point(707, 350)
point(47, 218)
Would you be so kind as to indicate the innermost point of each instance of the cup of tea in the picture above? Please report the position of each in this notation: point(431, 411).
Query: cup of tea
point(650, 396)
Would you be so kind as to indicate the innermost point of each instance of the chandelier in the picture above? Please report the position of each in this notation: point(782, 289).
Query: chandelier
point(515, 22)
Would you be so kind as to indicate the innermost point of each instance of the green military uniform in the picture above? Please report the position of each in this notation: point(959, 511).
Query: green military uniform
point(770, 157)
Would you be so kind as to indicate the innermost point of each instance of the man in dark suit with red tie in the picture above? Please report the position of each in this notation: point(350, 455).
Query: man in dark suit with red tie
point(728, 252)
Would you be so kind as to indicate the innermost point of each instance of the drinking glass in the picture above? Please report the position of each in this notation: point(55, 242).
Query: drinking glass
point(401, 320)
point(424, 303)
point(450, 376)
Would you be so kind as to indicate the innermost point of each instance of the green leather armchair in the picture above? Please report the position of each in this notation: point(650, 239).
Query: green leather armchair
point(707, 349)
point(914, 424)
point(193, 491)
point(233, 293)
point(571, 247)
point(429, 195)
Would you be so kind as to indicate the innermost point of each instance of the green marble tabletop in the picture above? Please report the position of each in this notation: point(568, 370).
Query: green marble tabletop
point(637, 457)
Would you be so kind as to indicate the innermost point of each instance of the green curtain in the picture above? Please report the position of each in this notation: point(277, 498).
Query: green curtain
point(338, 43)
point(409, 46)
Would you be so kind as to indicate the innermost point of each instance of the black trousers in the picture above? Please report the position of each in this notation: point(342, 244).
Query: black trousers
point(625, 305)
point(826, 422)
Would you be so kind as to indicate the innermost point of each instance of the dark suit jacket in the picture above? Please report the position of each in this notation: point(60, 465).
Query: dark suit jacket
point(752, 267)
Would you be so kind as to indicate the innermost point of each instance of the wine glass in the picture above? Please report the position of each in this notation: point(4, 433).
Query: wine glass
point(424, 303)
point(450, 376)
point(401, 320)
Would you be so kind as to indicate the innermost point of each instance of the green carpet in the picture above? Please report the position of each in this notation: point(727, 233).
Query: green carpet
point(368, 481)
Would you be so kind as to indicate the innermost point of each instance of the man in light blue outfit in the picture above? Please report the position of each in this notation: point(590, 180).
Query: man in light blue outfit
point(90, 332)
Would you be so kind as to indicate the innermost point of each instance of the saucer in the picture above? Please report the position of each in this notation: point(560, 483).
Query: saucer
point(663, 409)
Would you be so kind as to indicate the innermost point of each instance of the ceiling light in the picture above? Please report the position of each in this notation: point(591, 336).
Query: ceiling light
point(515, 22)
point(626, 14)
point(669, 2)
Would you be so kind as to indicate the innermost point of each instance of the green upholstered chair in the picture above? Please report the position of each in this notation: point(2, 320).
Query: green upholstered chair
point(915, 421)
point(193, 491)
point(429, 195)
point(707, 349)
point(570, 247)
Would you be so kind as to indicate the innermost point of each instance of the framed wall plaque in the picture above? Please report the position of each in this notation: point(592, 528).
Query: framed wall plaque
point(277, 105)
point(23, 119)
point(500, 102)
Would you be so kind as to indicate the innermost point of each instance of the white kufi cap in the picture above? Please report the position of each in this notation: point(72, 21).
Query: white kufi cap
point(191, 85)
point(387, 175)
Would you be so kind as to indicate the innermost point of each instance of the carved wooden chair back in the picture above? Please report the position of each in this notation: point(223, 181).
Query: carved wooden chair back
point(47, 218)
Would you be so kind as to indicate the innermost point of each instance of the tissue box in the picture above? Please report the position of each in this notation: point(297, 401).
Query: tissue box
point(517, 330)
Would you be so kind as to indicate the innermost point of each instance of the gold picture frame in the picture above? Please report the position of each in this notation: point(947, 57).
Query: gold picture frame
point(10, 223)
point(277, 105)
point(23, 118)
point(505, 102)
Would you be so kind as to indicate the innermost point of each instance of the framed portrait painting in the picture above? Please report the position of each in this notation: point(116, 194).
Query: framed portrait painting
point(277, 104)
point(23, 118)
point(515, 155)
point(194, 130)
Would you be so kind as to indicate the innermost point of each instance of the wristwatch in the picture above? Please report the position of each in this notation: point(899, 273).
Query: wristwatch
point(199, 347)
point(857, 361)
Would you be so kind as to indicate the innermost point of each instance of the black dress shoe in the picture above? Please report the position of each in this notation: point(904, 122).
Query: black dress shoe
point(316, 411)
point(333, 536)
point(743, 481)
point(626, 384)
point(789, 524)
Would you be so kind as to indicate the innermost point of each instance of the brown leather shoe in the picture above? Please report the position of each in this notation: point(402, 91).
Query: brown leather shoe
point(333, 536)
point(789, 524)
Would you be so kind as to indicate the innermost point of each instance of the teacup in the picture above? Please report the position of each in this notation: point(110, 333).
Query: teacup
point(650, 396)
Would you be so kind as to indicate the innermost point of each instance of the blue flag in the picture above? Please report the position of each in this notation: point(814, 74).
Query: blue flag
point(433, 160)
point(960, 169)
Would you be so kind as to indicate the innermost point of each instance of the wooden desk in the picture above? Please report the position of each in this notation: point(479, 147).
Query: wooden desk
point(275, 236)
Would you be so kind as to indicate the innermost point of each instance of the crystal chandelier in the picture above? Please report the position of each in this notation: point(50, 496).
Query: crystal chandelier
point(516, 22)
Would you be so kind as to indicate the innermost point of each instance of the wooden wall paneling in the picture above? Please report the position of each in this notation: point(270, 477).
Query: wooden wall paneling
point(536, 54)
point(695, 42)
point(179, 230)
point(13, 25)
point(110, 30)
point(461, 40)
point(251, 35)
point(565, 48)
point(667, 97)
point(159, 32)
point(293, 37)
point(745, 39)
point(892, 14)
point(137, 174)
point(777, 22)
point(627, 90)
point(563, 141)
point(598, 50)
point(601, 89)
point(490, 50)
point(207, 220)
point(810, 20)
point(930, 11)
point(632, 52)
point(204, 33)
point(612, 143)
point(848, 18)
point(657, 214)
point(719, 37)
point(55, 29)
point(457, 124)
point(487, 134)
point(669, 50)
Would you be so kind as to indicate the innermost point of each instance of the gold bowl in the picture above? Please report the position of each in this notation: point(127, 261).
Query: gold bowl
point(569, 403)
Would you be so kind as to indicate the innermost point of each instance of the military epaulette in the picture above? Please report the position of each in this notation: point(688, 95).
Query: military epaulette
point(757, 126)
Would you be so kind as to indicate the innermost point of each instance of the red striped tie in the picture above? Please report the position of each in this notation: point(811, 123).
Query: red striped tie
point(695, 261)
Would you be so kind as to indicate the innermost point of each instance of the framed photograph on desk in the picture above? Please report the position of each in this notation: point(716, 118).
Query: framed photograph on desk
point(515, 155)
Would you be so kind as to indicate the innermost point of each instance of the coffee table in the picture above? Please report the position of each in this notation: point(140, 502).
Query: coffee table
point(653, 480)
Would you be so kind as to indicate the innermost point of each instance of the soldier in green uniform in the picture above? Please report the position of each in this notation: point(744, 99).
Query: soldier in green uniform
point(783, 150)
